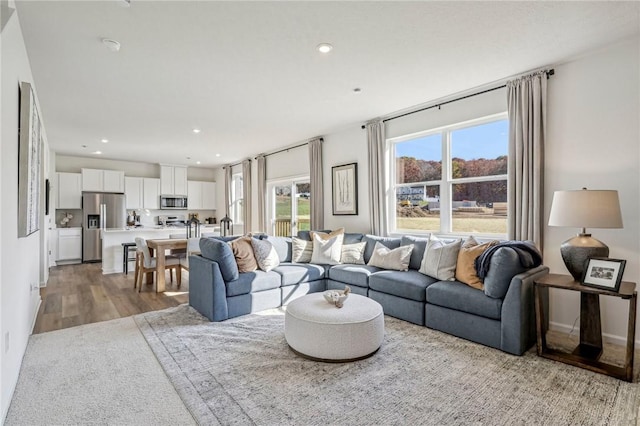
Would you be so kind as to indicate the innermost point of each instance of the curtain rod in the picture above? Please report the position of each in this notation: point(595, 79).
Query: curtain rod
point(235, 164)
point(287, 149)
point(549, 73)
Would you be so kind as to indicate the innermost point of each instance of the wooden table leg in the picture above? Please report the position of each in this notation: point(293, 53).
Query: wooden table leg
point(160, 278)
point(540, 321)
point(590, 327)
point(631, 337)
point(149, 275)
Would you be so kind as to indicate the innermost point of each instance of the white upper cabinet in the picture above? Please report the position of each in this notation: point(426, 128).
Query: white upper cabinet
point(151, 193)
point(97, 180)
point(133, 190)
point(173, 180)
point(201, 195)
point(69, 191)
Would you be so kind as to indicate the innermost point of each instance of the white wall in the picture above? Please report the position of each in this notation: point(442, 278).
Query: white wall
point(20, 261)
point(593, 141)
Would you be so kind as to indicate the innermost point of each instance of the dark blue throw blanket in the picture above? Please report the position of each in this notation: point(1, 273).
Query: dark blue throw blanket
point(529, 256)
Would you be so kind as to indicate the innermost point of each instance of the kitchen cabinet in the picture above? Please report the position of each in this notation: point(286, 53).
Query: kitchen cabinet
point(173, 180)
point(201, 195)
point(69, 191)
point(69, 244)
point(96, 180)
point(53, 246)
point(151, 193)
point(133, 191)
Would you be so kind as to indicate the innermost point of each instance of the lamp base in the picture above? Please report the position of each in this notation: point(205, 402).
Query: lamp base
point(577, 250)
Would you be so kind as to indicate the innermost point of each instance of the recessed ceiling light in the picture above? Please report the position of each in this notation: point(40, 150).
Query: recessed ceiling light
point(97, 152)
point(197, 162)
point(357, 90)
point(84, 146)
point(113, 45)
point(217, 155)
point(104, 140)
point(324, 48)
point(188, 158)
point(196, 130)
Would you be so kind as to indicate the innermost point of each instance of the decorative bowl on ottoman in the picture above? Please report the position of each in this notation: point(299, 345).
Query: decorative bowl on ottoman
point(337, 297)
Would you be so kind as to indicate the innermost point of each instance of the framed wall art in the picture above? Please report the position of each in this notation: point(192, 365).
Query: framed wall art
point(605, 273)
point(345, 189)
point(29, 163)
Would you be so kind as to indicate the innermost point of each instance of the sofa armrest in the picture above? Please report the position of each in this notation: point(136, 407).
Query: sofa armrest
point(518, 321)
point(207, 289)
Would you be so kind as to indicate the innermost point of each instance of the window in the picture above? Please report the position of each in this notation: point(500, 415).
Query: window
point(452, 179)
point(236, 208)
point(289, 206)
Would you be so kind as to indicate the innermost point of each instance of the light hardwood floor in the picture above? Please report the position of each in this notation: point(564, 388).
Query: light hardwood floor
point(80, 294)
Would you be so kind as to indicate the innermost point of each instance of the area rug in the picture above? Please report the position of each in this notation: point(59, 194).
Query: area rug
point(241, 371)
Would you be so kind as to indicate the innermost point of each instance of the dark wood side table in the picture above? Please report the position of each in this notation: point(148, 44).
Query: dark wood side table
point(587, 353)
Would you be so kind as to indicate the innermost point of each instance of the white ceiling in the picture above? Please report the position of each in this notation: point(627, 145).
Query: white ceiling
point(248, 73)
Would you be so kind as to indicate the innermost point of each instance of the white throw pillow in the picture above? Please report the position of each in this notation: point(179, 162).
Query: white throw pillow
point(353, 253)
point(397, 259)
point(440, 259)
point(265, 253)
point(327, 251)
point(301, 250)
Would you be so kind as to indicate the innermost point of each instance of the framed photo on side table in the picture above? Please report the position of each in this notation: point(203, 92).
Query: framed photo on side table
point(345, 189)
point(605, 273)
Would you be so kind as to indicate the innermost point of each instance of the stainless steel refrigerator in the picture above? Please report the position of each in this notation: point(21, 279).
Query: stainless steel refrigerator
point(100, 211)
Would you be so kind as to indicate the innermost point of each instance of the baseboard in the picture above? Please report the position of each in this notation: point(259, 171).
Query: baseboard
point(35, 314)
point(607, 337)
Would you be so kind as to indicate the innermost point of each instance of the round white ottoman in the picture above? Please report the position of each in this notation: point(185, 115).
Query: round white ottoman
point(319, 331)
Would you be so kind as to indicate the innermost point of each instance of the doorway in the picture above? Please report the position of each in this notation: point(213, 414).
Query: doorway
point(289, 207)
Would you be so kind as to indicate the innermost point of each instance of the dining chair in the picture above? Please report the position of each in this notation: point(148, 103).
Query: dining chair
point(145, 264)
point(179, 253)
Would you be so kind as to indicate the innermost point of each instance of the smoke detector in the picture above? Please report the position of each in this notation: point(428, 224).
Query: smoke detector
point(112, 45)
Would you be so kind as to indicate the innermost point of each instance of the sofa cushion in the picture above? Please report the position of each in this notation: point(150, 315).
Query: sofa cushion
point(440, 259)
point(305, 235)
point(406, 284)
point(353, 253)
point(371, 240)
point(352, 238)
point(465, 267)
point(282, 245)
point(251, 282)
point(505, 264)
point(266, 254)
point(396, 259)
point(296, 273)
point(220, 252)
point(419, 246)
point(460, 297)
point(357, 275)
point(243, 252)
point(301, 250)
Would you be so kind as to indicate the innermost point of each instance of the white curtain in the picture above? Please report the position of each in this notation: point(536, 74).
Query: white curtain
point(246, 196)
point(317, 187)
point(376, 147)
point(262, 193)
point(228, 174)
point(527, 107)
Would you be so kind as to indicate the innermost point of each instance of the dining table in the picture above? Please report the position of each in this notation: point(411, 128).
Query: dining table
point(160, 246)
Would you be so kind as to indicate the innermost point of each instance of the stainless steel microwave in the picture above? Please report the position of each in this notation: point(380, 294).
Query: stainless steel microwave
point(168, 202)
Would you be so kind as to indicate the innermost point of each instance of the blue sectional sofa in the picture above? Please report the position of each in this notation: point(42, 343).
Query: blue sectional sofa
point(505, 321)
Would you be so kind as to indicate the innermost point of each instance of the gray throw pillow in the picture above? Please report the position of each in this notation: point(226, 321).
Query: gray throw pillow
point(266, 254)
point(440, 259)
point(419, 246)
point(505, 264)
point(220, 252)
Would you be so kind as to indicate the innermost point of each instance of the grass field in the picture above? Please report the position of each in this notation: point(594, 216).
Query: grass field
point(283, 211)
point(484, 225)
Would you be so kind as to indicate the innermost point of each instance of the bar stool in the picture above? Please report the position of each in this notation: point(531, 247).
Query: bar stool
point(127, 248)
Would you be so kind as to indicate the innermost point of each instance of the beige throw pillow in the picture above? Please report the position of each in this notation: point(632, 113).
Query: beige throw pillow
point(325, 236)
point(353, 253)
point(301, 250)
point(266, 255)
point(243, 252)
point(327, 251)
point(396, 259)
point(465, 267)
point(440, 259)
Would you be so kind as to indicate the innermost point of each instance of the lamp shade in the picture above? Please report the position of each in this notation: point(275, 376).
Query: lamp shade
point(586, 208)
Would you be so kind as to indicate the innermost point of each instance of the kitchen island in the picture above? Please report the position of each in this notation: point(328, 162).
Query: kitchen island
point(112, 240)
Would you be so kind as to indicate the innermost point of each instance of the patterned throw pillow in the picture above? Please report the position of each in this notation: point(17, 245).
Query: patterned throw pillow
point(440, 259)
point(327, 251)
point(302, 250)
point(266, 256)
point(353, 253)
point(465, 268)
point(243, 252)
point(397, 259)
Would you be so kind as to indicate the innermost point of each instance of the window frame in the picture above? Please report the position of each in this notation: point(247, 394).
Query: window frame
point(236, 205)
point(445, 183)
point(290, 181)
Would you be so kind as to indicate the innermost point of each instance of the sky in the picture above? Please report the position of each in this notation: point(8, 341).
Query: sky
point(483, 141)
